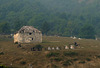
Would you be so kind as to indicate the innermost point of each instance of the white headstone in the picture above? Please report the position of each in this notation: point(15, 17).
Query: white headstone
point(49, 48)
point(66, 47)
point(74, 37)
point(30, 65)
point(96, 39)
point(72, 47)
point(53, 48)
point(57, 48)
point(11, 64)
point(79, 38)
point(11, 34)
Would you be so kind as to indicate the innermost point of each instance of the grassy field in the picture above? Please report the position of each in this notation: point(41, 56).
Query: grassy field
point(85, 56)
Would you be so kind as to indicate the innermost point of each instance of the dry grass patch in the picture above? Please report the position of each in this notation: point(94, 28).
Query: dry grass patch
point(22, 57)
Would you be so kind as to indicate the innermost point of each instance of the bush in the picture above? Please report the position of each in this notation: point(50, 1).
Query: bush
point(81, 62)
point(39, 47)
point(88, 59)
point(52, 54)
point(75, 59)
point(23, 62)
point(1, 53)
point(54, 66)
point(2, 66)
point(67, 63)
point(98, 56)
point(70, 53)
point(57, 59)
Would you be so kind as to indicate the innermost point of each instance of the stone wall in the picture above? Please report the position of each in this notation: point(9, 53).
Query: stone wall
point(28, 37)
point(16, 38)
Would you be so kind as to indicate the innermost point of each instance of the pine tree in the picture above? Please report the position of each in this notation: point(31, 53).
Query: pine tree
point(45, 28)
point(87, 31)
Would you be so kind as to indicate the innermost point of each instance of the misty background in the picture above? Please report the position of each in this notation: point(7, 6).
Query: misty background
point(80, 18)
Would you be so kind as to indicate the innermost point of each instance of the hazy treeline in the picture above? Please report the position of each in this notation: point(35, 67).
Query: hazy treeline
point(52, 17)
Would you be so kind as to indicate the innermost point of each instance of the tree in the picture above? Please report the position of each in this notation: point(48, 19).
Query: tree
point(18, 24)
point(70, 28)
point(45, 28)
point(87, 31)
point(4, 28)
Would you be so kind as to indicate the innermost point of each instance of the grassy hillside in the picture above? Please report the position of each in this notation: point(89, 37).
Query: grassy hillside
point(86, 56)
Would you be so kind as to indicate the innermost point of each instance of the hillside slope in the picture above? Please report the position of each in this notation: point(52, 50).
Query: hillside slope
point(87, 56)
point(57, 13)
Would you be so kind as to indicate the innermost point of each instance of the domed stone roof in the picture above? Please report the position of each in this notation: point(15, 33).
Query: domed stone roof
point(28, 29)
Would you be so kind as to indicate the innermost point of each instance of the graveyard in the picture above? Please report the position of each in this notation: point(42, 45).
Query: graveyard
point(53, 52)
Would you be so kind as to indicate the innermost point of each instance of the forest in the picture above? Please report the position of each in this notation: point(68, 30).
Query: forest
point(80, 18)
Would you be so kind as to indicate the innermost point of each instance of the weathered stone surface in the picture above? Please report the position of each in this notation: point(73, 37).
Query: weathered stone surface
point(28, 34)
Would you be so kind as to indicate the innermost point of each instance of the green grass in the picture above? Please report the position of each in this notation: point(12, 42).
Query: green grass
point(23, 56)
point(70, 53)
point(67, 62)
point(52, 54)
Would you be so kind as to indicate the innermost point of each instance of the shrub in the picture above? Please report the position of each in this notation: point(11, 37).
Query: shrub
point(1, 53)
point(54, 66)
point(38, 47)
point(67, 63)
point(98, 56)
point(57, 59)
point(75, 59)
point(2, 66)
point(70, 53)
point(23, 62)
point(88, 59)
point(52, 54)
point(81, 62)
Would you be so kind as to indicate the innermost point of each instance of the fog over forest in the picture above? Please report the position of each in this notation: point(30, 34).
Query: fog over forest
point(79, 18)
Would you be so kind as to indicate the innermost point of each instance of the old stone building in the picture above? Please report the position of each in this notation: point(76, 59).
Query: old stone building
point(28, 34)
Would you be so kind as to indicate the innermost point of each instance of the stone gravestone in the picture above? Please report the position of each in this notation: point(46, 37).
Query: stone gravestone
point(49, 48)
point(66, 47)
point(72, 47)
point(57, 48)
point(30, 66)
point(74, 37)
point(53, 48)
